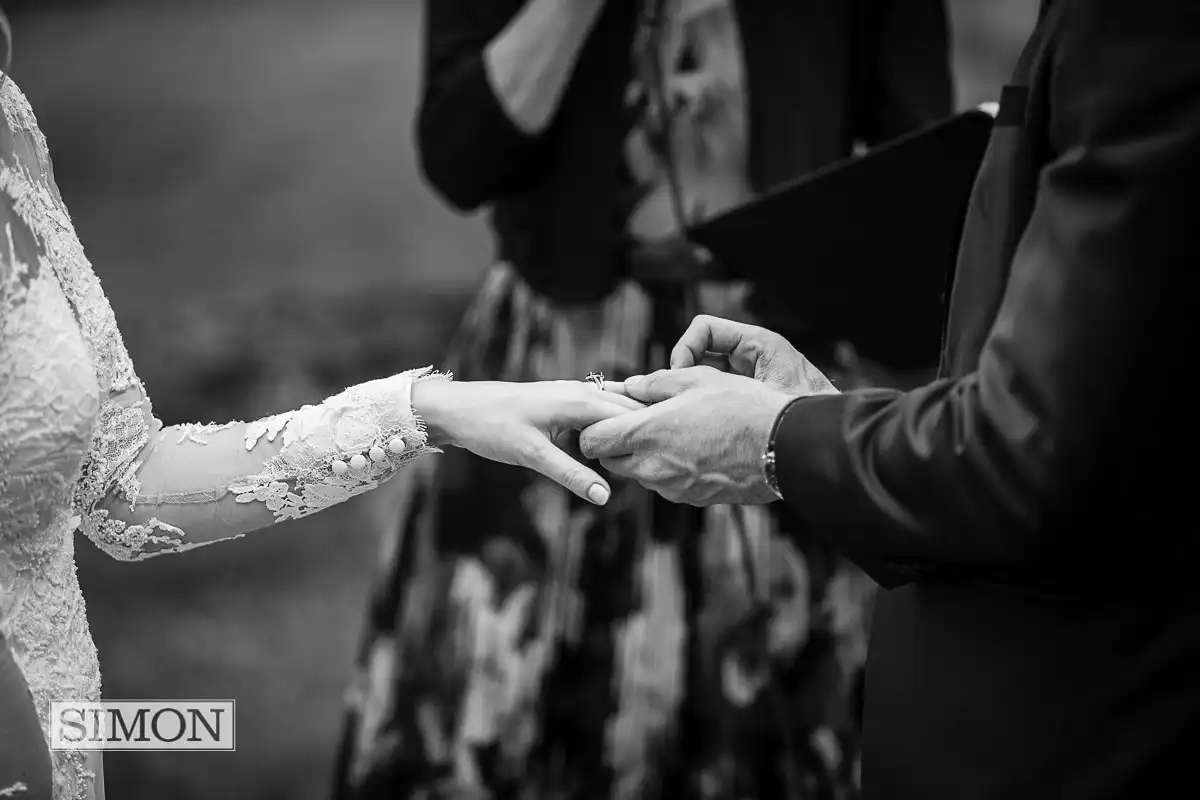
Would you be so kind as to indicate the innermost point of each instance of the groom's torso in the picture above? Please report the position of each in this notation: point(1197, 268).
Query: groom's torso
point(982, 689)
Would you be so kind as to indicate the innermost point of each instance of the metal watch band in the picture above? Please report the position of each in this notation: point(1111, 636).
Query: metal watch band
point(768, 460)
point(768, 455)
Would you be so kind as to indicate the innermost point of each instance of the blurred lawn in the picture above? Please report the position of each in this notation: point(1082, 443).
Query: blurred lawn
point(243, 178)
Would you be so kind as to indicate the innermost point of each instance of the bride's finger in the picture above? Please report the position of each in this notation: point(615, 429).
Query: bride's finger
point(618, 399)
point(582, 413)
point(615, 388)
point(559, 467)
point(592, 408)
point(588, 394)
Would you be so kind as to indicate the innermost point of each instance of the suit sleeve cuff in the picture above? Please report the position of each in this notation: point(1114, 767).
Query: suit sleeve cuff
point(818, 481)
point(805, 464)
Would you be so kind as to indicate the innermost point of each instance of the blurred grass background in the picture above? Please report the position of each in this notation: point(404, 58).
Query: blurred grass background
point(242, 176)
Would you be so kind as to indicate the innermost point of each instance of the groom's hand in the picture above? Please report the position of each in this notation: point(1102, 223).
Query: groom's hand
point(702, 441)
point(753, 352)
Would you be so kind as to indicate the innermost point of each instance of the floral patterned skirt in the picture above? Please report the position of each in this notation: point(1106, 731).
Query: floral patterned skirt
point(524, 644)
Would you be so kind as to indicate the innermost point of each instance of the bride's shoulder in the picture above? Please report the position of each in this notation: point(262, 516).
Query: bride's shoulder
point(16, 105)
point(17, 111)
point(17, 243)
point(20, 133)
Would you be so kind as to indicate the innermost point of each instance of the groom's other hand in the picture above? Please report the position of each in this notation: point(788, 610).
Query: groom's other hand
point(700, 443)
point(753, 352)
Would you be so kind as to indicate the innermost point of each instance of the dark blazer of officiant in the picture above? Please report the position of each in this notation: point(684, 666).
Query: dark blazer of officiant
point(820, 76)
point(1032, 513)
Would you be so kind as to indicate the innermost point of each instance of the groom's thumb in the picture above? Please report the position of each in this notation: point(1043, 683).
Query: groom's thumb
point(683, 357)
point(559, 467)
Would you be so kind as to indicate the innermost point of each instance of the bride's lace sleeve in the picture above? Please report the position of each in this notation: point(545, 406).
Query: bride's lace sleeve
point(149, 489)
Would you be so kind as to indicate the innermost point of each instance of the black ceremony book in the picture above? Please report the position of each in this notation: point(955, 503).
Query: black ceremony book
point(863, 250)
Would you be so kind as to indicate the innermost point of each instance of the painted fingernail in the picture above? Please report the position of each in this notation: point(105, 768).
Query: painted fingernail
point(634, 379)
point(598, 494)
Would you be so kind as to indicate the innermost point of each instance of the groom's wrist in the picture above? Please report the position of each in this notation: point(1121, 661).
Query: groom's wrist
point(769, 460)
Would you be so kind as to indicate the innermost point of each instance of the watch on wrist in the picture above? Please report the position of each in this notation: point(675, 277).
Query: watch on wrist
point(768, 455)
point(768, 465)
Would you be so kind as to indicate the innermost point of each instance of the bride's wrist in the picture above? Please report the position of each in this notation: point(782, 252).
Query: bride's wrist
point(431, 402)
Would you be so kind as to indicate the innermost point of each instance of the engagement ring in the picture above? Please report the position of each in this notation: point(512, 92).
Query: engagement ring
point(596, 379)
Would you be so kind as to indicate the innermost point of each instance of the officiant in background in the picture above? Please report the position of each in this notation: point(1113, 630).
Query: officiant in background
point(521, 643)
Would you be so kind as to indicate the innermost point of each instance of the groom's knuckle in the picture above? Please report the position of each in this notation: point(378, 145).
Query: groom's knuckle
point(608, 444)
point(616, 466)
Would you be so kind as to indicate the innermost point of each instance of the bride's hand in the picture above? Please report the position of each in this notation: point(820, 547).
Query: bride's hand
point(517, 423)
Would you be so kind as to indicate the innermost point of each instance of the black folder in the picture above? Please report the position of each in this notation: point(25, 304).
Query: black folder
point(863, 250)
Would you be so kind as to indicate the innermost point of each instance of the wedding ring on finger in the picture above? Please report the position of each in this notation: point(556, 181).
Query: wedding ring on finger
point(596, 379)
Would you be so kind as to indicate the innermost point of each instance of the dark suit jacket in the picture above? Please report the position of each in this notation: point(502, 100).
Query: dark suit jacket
point(821, 74)
point(1030, 513)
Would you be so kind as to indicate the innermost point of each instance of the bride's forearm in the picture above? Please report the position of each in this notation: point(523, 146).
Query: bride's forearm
point(190, 485)
point(431, 402)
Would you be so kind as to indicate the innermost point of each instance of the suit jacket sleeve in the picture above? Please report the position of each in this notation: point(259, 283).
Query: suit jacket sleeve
point(907, 82)
point(468, 147)
point(1059, 434)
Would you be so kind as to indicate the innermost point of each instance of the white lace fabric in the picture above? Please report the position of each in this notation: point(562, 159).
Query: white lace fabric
point(162, 489)
point(80, 448)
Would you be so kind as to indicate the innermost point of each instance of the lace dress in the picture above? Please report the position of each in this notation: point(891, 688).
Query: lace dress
point(80, 449)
